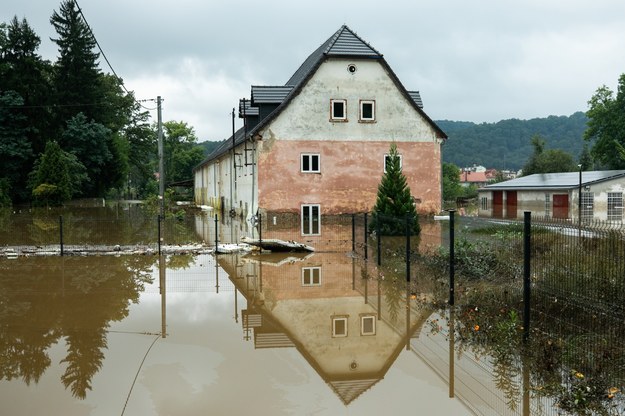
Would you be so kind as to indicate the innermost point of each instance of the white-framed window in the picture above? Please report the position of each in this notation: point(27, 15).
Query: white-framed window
point(588, 205)
point(338, 110)
point(367, 325)
point(311, 219)
point(547, 205)
point(311, 276)
point(484, 203)
point(310, 163)
point(339, 326)
point(367, 111)
point(387, 160)
point(615, 206)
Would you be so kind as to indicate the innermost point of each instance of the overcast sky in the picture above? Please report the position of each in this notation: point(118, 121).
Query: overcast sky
point(480, 61)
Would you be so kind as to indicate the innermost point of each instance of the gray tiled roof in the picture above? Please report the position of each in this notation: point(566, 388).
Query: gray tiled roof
point(247, 109)
point(344, 42)
point(269, 94)
point(563, 180)
point(416, 97)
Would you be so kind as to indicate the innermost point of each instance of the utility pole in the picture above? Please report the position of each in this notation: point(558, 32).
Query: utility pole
point(161, 167)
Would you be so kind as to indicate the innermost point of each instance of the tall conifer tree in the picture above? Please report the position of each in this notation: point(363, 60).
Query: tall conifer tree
point(394, 202)
point(77, 75)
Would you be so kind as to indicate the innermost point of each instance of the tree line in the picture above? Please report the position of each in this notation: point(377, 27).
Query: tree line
point(68, 129)
point(594, 140)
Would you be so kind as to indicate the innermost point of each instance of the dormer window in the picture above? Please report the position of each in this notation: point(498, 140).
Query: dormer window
point(338, 110)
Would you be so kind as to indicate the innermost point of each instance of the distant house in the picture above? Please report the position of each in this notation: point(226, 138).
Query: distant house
point(556, 195)
point(468, 177)
point(318, 144)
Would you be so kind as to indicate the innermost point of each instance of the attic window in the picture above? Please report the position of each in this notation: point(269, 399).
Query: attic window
point(367, 111)
point(351, 68)
point(338, 110)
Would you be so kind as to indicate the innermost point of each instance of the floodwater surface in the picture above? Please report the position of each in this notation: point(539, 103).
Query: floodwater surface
point(196, 335)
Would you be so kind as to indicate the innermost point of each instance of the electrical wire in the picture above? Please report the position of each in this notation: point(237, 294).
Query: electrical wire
point(121, 82)
point(138, 371)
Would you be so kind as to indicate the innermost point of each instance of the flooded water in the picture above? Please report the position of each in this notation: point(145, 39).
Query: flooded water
point(104, 335)
point(324, 333)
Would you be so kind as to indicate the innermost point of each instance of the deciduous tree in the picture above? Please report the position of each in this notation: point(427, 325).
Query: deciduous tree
point(606, 125)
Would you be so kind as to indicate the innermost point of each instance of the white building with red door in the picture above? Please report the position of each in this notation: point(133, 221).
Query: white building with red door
point(556, 195)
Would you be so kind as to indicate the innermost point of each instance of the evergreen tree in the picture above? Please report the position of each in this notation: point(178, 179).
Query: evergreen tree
point(15, 149)
point(394, 202)
point(26, 75)
point(77, 80)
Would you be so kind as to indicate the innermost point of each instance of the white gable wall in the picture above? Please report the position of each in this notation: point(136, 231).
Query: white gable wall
point(307, 115)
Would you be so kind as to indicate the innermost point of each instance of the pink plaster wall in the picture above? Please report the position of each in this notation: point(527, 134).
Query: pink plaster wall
point(350, 174)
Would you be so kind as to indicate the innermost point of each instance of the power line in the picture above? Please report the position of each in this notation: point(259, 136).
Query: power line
point(121, 82)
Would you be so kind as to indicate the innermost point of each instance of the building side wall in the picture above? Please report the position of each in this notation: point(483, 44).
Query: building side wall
point(349, 178)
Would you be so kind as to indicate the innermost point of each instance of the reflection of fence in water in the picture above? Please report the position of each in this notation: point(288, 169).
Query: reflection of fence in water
point(577, 315)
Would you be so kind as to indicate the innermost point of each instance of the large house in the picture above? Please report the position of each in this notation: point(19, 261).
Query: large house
point(318, 144)
point(556, 195)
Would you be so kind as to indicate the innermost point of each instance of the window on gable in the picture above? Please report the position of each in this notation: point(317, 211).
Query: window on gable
point(339, 326)
point(310, 163)
point(367, 325)
point(387, 161)
point(367, 110)
point(338, 110)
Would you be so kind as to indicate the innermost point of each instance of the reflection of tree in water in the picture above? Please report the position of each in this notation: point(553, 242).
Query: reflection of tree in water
point(45, 299)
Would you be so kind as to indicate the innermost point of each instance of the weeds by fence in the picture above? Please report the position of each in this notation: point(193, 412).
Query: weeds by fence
point(548, 294)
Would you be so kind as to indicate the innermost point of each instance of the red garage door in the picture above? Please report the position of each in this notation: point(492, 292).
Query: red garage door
point(511, 204)
point(561, 206)
point(497, 204)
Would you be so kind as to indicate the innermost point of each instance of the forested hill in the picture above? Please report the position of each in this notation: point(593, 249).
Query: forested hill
point(507, 143)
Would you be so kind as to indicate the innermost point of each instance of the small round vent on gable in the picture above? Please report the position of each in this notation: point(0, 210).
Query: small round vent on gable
point(351, 68)
point(353, 365)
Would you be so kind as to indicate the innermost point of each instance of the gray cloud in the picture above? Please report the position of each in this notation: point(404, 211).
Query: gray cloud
point(481, 61)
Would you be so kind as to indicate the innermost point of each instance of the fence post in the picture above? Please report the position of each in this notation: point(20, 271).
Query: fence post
point(61, 233)
point(366, 236)
point(408, 233)
point(379, 237)
point(354, 233)
point(452, 260)
point(216, 233)
point(158, 220)
point(527, 232)
point(260, 231)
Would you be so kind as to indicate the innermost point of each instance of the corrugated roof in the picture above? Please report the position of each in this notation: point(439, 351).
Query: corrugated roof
point(416, 97)
point(248, 110)
point(563, 180)
point(264, 94)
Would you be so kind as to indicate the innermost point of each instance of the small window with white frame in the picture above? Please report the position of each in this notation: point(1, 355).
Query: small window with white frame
point(338, 110)
point(310, 163)
point(311, 276)
point(387, 160)
point(548, 205)
point(367, 325)
point(339, 326)
point(367, 111)
point(311, 219)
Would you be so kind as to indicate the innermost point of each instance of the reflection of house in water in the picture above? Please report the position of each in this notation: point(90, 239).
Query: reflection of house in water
point(315, 303)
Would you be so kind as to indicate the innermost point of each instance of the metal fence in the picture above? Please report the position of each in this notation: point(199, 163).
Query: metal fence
point(541, 298)
point(68, 234)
